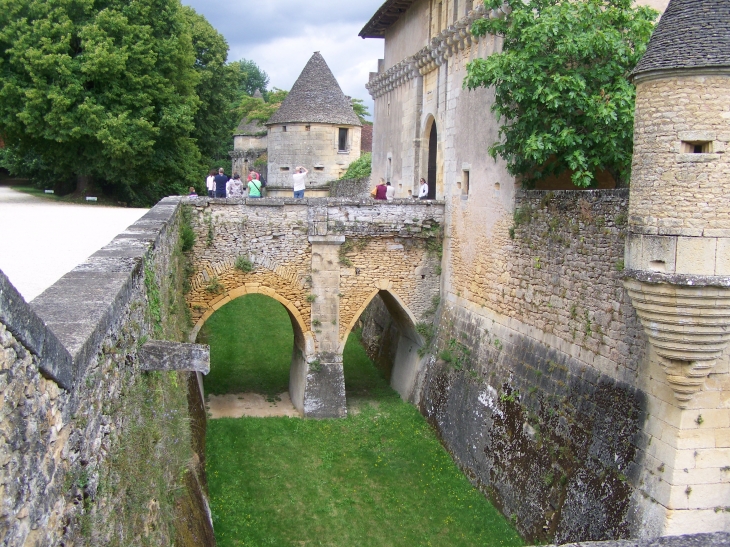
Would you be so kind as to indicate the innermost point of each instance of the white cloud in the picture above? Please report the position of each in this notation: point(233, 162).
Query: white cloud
point(281, 35)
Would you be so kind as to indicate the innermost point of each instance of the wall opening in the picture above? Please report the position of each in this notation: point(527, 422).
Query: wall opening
point(465, 183)
point(342, 140)
point(432, 157)
point(696, 147)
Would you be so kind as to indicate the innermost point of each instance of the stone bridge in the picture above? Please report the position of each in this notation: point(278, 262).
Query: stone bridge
point(324, 260)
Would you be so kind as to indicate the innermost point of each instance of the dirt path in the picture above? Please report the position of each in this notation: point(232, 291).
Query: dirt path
point(41, 240)
point(255, 405)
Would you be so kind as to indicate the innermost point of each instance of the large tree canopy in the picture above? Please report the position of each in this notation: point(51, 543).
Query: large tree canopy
point(561, 87)
point(249, 77)
point(217, 90)
point(105, 90)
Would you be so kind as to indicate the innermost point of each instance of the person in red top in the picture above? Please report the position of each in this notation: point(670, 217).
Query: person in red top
point(381, 190)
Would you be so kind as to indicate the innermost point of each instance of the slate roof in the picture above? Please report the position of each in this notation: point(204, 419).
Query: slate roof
point(690, 34)
point(386, 15)
point(249, 128)
point(316, 97)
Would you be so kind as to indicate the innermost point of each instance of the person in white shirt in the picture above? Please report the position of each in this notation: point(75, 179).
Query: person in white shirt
point(210, 184)
point(300, 181)
point(423, 190)
point(390, 191)
point(234, 187)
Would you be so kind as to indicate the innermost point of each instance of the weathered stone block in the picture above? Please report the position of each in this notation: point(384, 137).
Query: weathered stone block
point(169, 356)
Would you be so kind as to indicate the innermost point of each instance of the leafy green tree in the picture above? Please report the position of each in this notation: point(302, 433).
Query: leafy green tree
point(561, 87)
point(102, 91)
point(260, 109)
point(249, 77)
point(217, 90)
point(358, 105)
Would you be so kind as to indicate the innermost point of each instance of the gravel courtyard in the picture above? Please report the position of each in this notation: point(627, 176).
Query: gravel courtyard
point(42, 240)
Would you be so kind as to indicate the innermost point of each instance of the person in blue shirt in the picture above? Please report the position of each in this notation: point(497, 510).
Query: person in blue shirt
point(220, 184)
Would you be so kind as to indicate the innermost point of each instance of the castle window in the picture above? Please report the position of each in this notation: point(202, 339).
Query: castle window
point(307, 127)
point(465, 183)
point(696, 147)
point(342, 144)
point(283, 168)
point(283, 129)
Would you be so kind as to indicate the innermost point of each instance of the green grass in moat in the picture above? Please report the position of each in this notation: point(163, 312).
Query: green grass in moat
point(379, 478)
point(251, 341)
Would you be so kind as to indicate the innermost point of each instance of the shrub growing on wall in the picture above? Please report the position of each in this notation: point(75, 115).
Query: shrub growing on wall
point(360, 168)
point(561, 85)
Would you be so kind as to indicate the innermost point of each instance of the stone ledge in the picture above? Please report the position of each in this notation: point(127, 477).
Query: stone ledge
point(81, 307)
point(174, 356)
point(319, 202)
point(55, 361)
point(685, 280)
point(719, 539)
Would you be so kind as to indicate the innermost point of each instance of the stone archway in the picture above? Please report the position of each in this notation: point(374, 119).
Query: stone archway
point(408, 361)
point(304, 344)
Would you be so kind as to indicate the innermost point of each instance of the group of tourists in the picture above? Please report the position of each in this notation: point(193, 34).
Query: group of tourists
point(220, 186)
point(385, 191)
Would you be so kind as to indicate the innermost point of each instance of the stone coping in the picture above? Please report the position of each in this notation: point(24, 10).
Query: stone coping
point(718, 539)
point(54, 361)
point(620, 192)
point(84, 304)
point(682, 280)
point(315, 202)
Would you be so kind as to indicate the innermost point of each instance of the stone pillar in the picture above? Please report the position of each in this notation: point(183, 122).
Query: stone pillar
point(324, 394)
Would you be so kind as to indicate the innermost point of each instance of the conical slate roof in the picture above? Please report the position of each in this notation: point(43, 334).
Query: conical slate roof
point(691, 34)
point(316, 98)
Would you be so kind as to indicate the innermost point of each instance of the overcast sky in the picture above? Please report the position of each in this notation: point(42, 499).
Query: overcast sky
point(281, 35)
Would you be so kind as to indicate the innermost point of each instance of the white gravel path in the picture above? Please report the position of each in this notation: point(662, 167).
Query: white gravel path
point(41, 240)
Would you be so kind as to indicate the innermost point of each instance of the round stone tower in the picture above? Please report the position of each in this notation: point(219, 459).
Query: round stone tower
point(315, 127)
point(678, 248)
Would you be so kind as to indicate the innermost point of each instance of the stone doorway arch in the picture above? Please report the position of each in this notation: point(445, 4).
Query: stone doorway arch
point(303, 347)
point(408, 363)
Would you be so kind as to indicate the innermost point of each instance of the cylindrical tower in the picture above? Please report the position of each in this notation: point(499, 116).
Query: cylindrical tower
point(315, 127)
point(678, 248)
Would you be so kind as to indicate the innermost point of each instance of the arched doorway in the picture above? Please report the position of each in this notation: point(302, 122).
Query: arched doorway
point(432, 157)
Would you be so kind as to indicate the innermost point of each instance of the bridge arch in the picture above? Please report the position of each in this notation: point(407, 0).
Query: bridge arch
point(304, 344)
point(408, 362)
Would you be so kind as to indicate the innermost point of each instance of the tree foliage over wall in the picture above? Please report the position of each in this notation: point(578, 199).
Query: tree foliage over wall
point(561, 85)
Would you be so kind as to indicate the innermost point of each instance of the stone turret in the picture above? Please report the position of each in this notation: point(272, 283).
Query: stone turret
point(678, 248)
point(316, 127)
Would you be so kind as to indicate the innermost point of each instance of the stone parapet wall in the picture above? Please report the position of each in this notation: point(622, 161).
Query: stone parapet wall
point(720, 539)
point(92, 463)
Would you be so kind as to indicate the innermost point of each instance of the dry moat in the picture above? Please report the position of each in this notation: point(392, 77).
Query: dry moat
point(378, 477)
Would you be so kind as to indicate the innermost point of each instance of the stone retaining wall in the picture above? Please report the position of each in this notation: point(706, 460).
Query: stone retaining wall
point(103, 455)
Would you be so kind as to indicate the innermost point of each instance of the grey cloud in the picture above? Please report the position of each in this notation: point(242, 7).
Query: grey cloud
point(247, 23)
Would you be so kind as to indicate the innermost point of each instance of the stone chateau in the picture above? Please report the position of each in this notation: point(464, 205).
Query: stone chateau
point(603, 314)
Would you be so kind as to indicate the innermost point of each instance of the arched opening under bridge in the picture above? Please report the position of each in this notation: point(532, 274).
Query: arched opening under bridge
point(391, 341)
